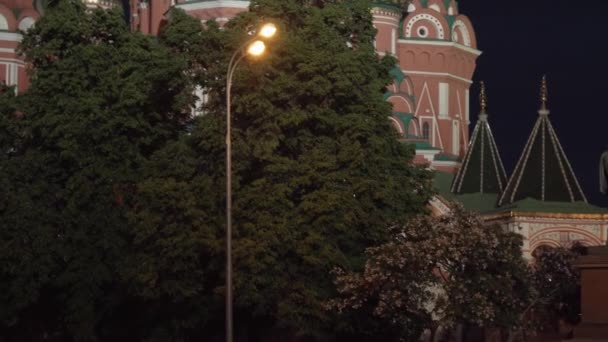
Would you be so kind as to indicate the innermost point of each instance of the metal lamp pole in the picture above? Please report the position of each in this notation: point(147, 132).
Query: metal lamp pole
point(252, 47)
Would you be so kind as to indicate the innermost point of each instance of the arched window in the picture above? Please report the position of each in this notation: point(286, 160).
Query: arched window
point(426, 130)
point(3, 23)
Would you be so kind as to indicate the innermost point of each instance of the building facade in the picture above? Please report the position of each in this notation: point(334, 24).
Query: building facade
point(15, 16)
point(542, 199)
point(436, 49)
point(435, 45)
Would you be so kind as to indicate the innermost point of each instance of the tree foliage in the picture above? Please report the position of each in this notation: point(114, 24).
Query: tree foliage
point(102, 100)
point(556, 282)
point(319, 175)
point(441, 270)
point(113, 196)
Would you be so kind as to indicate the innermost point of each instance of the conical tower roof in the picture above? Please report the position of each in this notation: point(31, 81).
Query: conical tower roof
point(543, 171)
point(482, 170)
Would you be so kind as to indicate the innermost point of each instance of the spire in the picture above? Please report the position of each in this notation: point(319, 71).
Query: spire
point(482, 170)
point(543, 171)
point(544, 94)
point(483, 100)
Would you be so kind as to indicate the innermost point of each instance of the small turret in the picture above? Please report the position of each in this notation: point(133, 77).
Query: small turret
point(386, 17)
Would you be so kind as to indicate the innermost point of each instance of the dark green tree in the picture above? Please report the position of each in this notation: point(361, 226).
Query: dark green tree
point(113, 215)
point(102, 100)
point(318, 173)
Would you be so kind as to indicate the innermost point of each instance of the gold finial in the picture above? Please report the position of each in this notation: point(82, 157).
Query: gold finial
point(483, 99)
point(544, 93)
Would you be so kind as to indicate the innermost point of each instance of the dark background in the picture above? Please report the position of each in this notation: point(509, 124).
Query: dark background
point(567, 41)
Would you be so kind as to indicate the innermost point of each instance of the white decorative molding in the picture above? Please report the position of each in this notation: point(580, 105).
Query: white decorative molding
point(442, 74)
point(390, 23)
point(397, 125)
point(441, 43)
point(3, 23)
point(391, 19)
point(191, 6)
point(456, 137)
point(11, 60)
point(466, 35)
point(429, 155)
point(26, 23)
point(444, 99)
point(435, 8)
point(11, 36)
point(446, 163)
point(425, 17)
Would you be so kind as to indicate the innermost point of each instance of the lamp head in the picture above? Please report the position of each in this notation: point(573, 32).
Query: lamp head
point(256, 48)
point(268, 30)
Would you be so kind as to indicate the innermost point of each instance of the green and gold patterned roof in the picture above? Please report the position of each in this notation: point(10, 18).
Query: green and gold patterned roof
point(543, 171)
point(482, 170)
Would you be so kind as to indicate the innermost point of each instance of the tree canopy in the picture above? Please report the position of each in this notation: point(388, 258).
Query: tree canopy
point(319, 175)
point(102, 100)
point(445, 270)
point(112, 218)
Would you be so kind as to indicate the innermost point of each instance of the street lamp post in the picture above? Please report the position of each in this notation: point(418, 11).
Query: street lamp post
point(253, 47)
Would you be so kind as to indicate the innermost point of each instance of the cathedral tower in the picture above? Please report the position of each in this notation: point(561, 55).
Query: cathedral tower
point(437, 51)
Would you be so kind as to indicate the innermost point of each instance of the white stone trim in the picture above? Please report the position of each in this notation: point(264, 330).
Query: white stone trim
point(448, 163)
point(442, 74)
point(441, 43)
point(456, 137)
point(425, 17)
point(6, 50)
point(11, 60)
point(218, 19)
point(392, 23)
point(11, 36)
point(213, 4)
point(429, 155)
point(400, 129)
point(394, 41)
point(444, 99)
point(392, 19)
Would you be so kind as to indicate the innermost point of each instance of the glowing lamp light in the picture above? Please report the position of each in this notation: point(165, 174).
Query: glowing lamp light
point(268, 30)
point(256, 48)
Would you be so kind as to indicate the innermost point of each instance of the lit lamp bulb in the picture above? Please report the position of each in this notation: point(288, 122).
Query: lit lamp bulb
point(268, 30)
point(256, 48)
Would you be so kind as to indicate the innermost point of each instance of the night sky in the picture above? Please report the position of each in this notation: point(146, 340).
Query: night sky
point(567, 41)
